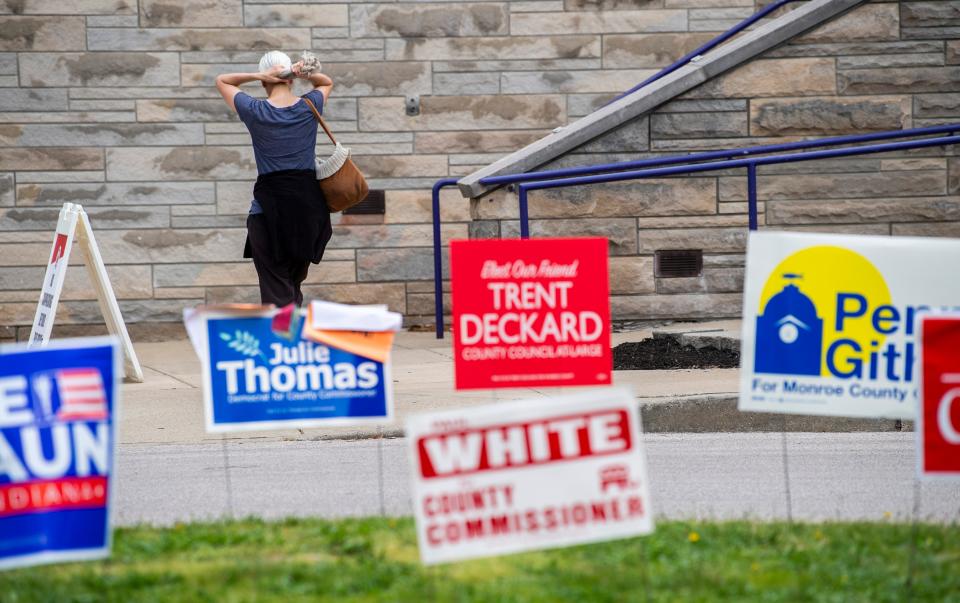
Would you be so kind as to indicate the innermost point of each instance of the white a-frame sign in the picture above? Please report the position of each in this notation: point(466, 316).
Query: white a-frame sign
point(72, 216)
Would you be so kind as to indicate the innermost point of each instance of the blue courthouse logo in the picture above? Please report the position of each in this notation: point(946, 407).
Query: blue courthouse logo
point(789, 334)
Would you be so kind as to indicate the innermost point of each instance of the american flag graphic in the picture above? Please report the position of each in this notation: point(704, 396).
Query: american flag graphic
point(82, 396)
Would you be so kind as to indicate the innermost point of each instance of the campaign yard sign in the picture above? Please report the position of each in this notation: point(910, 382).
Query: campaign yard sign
point(830, 321)
point(528, 475)
point(255, 378)
point(938, 419)
point(57, 450)
point(530, 312)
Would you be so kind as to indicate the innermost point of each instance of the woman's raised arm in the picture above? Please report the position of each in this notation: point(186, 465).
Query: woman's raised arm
point(229, 83)
point(319, 81)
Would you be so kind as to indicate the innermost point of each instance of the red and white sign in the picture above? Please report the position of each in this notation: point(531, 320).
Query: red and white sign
point(938, 419)
point(528, 475)
point(531, 312)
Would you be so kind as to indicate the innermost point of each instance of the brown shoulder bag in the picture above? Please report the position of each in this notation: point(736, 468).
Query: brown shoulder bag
point(344, 186)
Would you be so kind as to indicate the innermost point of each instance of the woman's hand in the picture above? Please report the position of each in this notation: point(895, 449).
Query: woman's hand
point(272, 75)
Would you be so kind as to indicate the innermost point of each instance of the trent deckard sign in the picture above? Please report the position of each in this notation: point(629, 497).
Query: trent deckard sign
point(530, 312)
point(830, 321)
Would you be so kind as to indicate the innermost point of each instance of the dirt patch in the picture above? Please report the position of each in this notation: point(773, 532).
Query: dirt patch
point(665, 353)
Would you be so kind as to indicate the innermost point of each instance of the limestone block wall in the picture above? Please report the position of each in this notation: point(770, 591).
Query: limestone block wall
point(884, 66)
point(110, 103)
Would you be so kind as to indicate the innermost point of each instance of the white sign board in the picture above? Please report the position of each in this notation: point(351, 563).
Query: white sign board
point(53, 278)
point(528, 475)
point(830, 321)
point(73, 222)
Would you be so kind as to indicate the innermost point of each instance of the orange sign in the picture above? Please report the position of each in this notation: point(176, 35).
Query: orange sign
point(374, 345)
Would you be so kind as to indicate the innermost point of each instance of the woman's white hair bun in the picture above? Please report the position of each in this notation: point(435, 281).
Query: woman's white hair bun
point(274, 58)
point(311, 62)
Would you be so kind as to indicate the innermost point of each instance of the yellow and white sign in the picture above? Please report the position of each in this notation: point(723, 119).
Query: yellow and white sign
point(830, 321)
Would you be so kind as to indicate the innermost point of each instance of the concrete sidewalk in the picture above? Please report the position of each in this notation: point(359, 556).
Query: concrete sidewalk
point(168, 406)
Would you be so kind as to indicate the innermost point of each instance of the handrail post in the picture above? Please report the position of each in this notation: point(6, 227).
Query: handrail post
point(438, 254)
point(524, 214)
point(752, 194)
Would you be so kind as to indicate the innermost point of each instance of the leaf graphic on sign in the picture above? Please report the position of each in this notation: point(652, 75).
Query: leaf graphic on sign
point(243, 342)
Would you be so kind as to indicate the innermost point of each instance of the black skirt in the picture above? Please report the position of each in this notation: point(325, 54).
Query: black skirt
point(298, 221)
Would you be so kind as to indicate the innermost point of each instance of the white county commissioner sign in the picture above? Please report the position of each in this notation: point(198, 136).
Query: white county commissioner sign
point(830, 321)
point(530, 474)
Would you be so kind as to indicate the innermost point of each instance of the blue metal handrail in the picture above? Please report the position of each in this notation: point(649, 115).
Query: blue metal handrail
point(751, 164)
point(712, 155)
point(613, 170)
point(690, 56)
point(437, 253)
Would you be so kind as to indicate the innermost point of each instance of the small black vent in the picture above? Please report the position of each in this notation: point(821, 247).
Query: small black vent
point(372, 204)
point(677, 263)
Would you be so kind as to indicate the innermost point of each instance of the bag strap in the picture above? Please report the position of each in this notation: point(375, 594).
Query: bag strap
point(323, 124)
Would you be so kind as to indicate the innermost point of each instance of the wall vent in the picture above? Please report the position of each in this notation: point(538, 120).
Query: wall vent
point(678, 263)
point(373, 204)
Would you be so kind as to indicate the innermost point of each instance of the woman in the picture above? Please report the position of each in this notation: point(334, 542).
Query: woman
point(289, 224)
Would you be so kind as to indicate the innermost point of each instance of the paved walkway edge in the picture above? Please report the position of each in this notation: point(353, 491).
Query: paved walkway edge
point(710, 413)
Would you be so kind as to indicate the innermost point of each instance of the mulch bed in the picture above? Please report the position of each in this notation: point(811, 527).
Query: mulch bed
point(664, 353)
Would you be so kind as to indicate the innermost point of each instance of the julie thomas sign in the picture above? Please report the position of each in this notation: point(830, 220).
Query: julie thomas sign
point(528, 475)
point(938, 420)
point(257, 379)
point(830, 322)
point(530, 312)
point(57, 450)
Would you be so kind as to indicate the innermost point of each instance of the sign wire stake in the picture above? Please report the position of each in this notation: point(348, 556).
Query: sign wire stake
point(383, 505)
point(645, 577)
point(226, 475)
point(786, 468)
point(912, 550)
point(434, 581)
point(644, 571)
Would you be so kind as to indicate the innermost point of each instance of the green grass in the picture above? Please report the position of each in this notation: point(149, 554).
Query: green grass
point(376, 560)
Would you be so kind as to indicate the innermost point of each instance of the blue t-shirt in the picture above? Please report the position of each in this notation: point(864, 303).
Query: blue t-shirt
point(284, 138)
